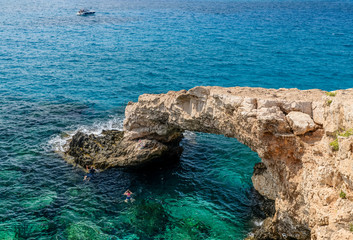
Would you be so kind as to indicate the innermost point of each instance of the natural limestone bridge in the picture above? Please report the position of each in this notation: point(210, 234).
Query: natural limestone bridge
point(291, 130)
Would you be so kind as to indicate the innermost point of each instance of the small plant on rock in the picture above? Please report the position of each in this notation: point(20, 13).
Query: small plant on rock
point(351, 227)
point(334, 145)
point(343, 195)
point(331, 94)
point(328, 102)
point(347, 133)
point(342, 133)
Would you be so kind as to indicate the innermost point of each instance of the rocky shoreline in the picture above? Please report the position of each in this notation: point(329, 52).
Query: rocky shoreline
point(304, 139)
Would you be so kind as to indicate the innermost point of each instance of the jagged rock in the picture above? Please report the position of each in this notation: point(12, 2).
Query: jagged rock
point(291, 131)
point(264, 182)
point(272, 230)
point(265, 207)
point(301, 123)
point(112, 150)
point(259, 169)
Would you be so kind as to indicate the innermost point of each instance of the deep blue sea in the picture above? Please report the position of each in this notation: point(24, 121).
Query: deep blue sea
point(60, 73)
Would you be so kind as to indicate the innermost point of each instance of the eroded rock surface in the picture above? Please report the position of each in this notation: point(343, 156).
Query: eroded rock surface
point(110, 149)
point(291, 130)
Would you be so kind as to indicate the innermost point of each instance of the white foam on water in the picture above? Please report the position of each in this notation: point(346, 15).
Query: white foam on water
point(190, 136)
point(58, 143)
point(251, 235)
point(258, 222)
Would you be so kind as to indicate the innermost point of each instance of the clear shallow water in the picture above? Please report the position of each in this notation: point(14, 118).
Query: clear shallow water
point(60, 72)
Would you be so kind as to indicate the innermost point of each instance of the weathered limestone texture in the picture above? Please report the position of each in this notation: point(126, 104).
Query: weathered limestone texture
point(310, 180)
point(110, 149)
point(291, 131)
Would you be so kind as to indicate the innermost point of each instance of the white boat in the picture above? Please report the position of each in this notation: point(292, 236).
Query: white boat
point(84, 12)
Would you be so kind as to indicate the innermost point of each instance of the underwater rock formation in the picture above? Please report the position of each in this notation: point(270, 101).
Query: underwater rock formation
point(303, 138)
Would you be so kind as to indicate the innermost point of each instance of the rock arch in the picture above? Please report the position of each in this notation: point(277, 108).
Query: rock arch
point(274, 126)
point(291, 131)
point(288, 128)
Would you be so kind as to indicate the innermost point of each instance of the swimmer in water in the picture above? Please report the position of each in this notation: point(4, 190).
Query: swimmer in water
point(90, 172)
point(128, 196)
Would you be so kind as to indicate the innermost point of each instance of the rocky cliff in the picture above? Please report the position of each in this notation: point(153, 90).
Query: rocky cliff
point(303, 138)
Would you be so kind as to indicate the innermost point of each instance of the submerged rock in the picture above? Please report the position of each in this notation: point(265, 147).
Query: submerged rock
point(196, 228)
point(148, 218)
point(84, 230)
point(41, 201)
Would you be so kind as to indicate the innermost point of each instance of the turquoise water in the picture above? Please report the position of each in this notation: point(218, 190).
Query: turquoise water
point(60, 73)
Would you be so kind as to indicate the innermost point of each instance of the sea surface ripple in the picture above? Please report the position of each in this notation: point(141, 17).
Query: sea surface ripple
point(61, 73)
